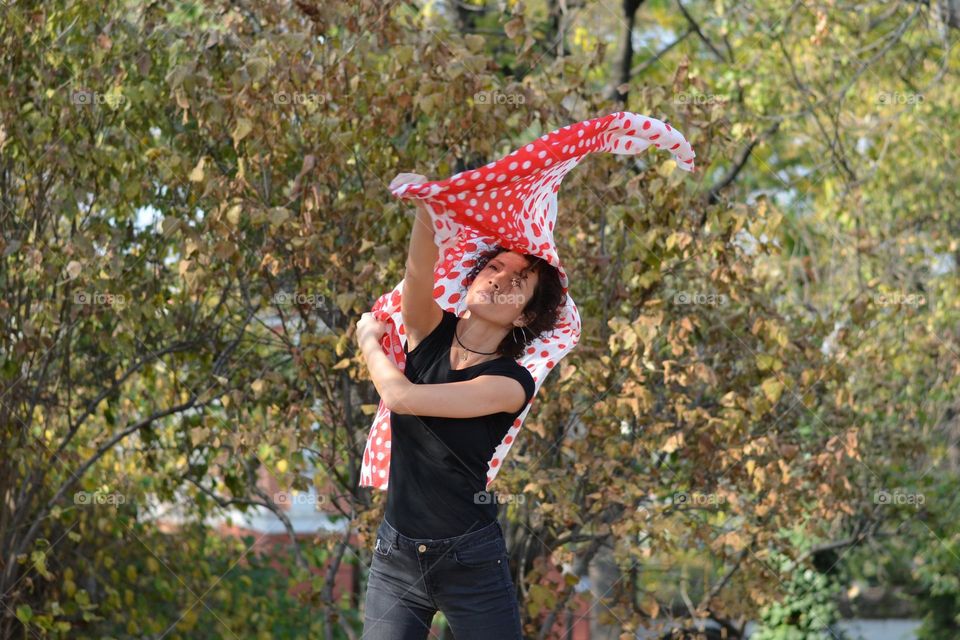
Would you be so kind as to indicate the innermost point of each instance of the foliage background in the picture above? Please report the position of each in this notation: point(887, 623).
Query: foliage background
point(762, 412)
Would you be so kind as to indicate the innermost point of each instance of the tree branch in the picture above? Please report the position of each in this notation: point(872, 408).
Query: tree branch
point(696, 28)
point(714, 195)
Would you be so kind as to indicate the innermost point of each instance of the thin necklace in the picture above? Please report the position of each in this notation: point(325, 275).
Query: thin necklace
point(463, 358)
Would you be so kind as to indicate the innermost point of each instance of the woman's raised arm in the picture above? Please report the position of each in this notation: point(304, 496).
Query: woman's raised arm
point(420, 313)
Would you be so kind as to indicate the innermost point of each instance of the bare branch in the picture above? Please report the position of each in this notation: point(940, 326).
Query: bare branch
point(696, 28)
point(714, 195)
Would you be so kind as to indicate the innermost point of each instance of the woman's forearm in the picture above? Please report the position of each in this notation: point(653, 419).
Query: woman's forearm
point(387, 378)
point(423, 252)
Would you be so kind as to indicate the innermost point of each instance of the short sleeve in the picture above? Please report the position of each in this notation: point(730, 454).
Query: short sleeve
point(431, 337)
point(519, 373)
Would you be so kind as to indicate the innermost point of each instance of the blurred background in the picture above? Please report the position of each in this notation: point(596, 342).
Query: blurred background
point(756, 436)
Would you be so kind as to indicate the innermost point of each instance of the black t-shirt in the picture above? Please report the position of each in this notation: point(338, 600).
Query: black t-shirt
point(438, 465)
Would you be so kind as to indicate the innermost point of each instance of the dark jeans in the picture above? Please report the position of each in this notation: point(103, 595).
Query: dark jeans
point(466, 577)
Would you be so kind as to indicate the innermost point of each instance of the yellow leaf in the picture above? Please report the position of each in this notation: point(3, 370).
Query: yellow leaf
point(233, 215)
point(224, 249)
point(181, 97)
point(758, 479)
point(345, 301)
point(767, 362)
point(474, 42)
point(403, 55)
point(772, 388)
point(240, 131)
point(513, 27)
point(278, 215)
point(666, 168)
point(784, 472)
point(567, 370)
point(73, 269)
point(673, 443)
point(653, 608)
point(188, 620)
point(197, 174)
point(343, 364)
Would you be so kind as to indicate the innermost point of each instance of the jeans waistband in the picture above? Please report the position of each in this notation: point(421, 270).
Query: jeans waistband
point(397, 540)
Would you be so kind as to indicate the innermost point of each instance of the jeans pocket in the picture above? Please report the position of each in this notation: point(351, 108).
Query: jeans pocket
point(488, 553)
point(382, 547)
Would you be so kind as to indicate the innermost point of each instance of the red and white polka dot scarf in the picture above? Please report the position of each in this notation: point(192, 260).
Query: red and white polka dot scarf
point(511, 202)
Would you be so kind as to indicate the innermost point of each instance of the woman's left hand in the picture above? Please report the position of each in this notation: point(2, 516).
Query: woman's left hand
point(369, 325)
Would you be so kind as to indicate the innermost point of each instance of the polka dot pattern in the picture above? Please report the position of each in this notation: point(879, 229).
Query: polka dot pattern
point(512, 202)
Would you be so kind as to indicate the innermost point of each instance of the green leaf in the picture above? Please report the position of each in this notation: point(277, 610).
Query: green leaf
point(24, 613)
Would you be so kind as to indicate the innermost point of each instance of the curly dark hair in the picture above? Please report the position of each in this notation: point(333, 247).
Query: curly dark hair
point(542, 309)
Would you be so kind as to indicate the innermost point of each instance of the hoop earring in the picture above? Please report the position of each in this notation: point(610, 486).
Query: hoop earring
point(523, 331)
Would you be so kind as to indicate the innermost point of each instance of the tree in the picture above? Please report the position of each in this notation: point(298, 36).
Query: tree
point(194, 211)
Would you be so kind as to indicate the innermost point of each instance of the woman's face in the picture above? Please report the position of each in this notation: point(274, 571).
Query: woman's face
point(502, 289)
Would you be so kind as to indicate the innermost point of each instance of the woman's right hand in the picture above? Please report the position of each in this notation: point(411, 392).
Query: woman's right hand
point(368, 326)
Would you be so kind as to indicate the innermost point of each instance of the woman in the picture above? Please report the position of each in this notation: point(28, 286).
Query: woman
point(440, 545)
